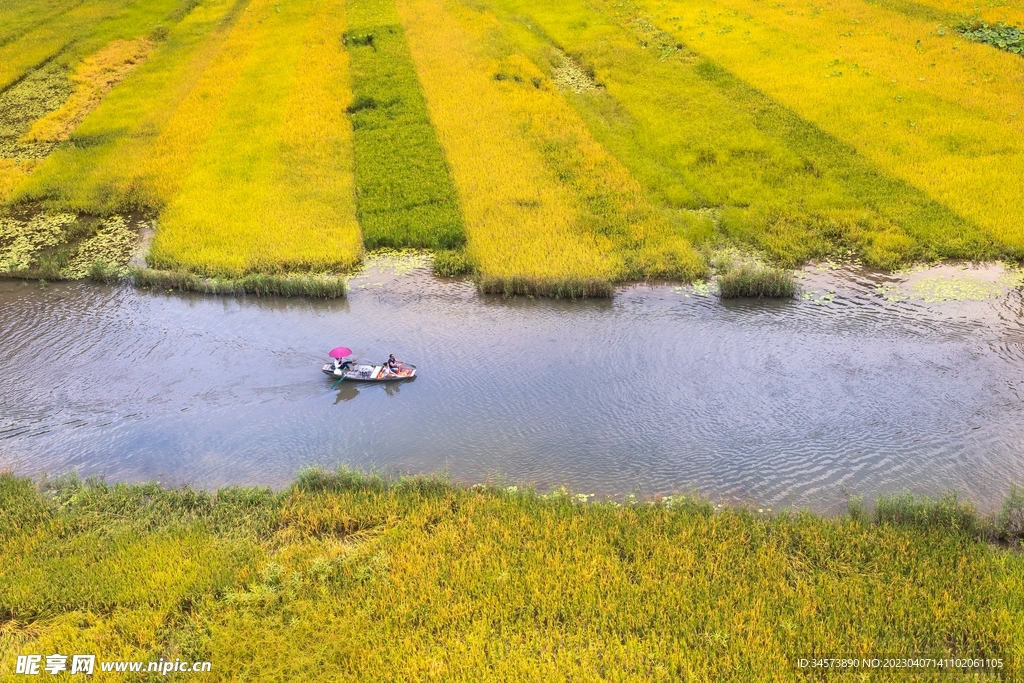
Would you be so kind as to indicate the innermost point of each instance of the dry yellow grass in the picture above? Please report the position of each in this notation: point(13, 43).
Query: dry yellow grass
point(93, 79)
point(543, 202)
point(866, 76)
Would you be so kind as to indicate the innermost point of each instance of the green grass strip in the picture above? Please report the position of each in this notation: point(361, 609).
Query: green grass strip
point(405, 196)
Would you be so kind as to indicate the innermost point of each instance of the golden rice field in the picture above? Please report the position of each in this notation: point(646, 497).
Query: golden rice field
point(552, 148)
point(345, 577)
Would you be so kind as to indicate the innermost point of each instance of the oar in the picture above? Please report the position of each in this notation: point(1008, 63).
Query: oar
point(338, 382)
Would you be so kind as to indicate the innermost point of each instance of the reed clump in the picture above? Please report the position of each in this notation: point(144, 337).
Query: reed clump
point(317, 286)
point(451, 263)
point(756, 281)
point(416, 578)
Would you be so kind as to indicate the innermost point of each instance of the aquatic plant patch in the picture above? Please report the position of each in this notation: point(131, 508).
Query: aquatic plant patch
point(21, 240)
point(404, 192)
point(67, 247)
point(41, 92)
point(1009, 38)
point(111, 246)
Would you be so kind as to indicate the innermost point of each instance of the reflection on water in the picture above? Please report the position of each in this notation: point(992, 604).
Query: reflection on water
point(860, 385)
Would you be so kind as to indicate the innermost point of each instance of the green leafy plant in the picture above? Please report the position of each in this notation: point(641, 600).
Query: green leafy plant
point(1009, 38)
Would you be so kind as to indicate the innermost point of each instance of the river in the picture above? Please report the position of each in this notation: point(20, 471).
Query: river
point(865, 384)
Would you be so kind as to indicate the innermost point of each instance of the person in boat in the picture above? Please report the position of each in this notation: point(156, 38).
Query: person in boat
point(343, 365)
point(393, 365)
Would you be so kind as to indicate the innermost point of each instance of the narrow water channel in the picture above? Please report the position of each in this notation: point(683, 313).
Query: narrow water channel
point(865, 384)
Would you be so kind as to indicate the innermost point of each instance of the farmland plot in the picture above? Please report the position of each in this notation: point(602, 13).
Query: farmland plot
point(547, 208)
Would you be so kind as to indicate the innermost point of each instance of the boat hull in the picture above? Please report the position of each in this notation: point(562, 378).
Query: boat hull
point(370, 373)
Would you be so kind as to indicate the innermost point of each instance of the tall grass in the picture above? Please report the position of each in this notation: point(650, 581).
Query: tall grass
point(934, 110)
point(417, 579)
point(305, 285)
point(752, 281)
point(405, 196)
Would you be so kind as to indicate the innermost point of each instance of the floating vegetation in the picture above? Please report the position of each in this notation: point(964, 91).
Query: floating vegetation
point(41, 92)
point(952, 283)
point(395, 261)
point(21, 241)
point(111, 248)
point(67, 247)
point(818, 296)
point(705, 288)
point(1009, 38)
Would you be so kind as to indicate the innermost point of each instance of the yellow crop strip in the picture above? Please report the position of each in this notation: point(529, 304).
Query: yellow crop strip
point(157, 177)
point(519, 220)
point(955, 146)
point(543, 202)
point(271, 186)
point(94, 78)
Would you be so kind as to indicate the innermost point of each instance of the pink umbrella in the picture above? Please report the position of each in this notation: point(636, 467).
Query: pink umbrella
point(340, 352)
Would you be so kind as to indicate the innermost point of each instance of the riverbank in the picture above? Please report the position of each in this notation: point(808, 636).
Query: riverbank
point(345, 576)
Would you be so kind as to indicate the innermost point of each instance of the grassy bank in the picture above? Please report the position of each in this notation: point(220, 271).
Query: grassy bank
point(350, 577)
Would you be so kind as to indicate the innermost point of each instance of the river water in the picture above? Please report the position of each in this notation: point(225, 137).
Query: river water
point(866, 384)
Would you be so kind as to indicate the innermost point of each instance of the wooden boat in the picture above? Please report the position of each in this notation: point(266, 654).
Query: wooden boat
point(362, 371)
